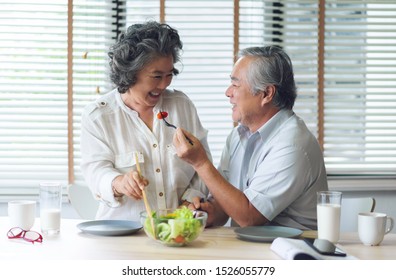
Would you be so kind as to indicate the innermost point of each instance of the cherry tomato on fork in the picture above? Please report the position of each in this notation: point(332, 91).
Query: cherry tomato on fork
point(161, 115)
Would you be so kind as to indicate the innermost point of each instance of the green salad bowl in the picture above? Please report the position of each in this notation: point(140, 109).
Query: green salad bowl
point(174, 227)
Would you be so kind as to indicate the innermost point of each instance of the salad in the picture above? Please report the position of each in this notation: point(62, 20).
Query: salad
point(177, 227)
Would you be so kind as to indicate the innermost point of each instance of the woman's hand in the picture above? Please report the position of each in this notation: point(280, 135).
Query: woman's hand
point(206, 206)
point(196, 203)
point(130, 184)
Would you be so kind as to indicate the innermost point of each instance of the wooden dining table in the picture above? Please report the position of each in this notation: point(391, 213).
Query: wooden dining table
point(217, 243)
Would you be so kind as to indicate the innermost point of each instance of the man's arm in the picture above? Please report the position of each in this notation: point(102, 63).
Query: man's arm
point(233, 202)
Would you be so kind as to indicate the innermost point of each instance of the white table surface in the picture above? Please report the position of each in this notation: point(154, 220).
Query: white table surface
point(214, 243)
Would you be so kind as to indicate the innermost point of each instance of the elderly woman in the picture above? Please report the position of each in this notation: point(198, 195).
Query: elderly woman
point(122, 126)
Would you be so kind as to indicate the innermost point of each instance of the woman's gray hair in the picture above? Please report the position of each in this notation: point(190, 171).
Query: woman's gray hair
point(272, 66)
point(138, 46)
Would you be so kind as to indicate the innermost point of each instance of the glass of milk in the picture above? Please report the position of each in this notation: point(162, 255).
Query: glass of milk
point(50, 207)
point(329, 214)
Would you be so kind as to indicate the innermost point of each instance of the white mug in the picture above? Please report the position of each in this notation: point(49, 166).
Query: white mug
point(372, 227)
point(22, 213)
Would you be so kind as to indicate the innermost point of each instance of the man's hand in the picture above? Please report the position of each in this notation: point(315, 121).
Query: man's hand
point(193, 154)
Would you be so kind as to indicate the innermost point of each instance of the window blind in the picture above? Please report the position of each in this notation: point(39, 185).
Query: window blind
point(360, 87)
point(33, 100)
point(95, 28)
point(292, 25)
point(359, 74)
point(206, 30)
point(33, 86)
point(359, 66)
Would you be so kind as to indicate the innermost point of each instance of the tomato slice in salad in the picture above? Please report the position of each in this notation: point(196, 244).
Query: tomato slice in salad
point(180, 239)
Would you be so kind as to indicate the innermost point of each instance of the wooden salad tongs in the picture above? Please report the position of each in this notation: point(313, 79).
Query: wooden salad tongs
point(146, 203)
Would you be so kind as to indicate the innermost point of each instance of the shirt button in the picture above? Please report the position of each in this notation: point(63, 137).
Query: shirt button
point(158, 170)
point(103, 103)
point(154, 145)
point(161, 194)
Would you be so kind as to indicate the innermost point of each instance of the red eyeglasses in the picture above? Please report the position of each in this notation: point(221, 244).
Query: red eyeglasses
point(28, 235)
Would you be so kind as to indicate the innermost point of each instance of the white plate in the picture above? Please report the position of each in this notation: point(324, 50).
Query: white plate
point(110, 227)
point(266, 233)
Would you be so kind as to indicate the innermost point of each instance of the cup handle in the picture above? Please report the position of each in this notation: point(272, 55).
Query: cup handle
point(390, 226)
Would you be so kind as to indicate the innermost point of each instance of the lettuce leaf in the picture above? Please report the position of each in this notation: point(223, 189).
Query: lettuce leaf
point(180, 223)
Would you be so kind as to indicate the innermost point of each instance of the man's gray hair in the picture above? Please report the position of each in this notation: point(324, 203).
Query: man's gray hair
point(272, 66)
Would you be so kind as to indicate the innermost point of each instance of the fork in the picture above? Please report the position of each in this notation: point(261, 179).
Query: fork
point(167, 123)
point(163, 117)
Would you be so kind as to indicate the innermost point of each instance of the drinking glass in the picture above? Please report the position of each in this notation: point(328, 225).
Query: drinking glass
point(50, 207)
point(329, 215)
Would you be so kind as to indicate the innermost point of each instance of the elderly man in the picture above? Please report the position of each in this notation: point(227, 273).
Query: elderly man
point(271, 166)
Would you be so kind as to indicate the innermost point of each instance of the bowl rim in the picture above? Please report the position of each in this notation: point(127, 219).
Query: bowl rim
point(143, 214)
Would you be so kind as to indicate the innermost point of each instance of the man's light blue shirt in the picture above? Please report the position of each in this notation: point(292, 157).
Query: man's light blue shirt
point(279, 168)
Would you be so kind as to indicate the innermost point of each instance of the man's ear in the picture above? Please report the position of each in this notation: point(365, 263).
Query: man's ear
point(268, 94)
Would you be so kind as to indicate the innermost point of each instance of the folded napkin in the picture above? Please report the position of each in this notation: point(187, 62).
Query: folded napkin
point(297, 249)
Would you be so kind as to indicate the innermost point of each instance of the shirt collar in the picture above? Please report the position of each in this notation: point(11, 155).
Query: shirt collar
point(128, 110)
point(269, 128)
